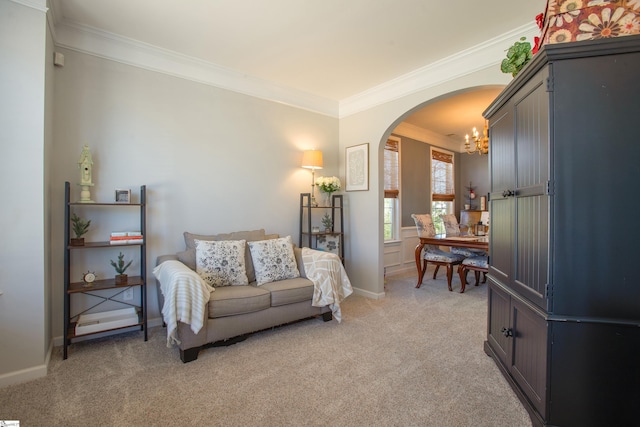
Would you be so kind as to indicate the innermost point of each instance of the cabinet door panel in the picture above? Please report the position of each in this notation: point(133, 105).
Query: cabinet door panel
point(502, 153)
point(498, 319)
point(529, 359)
point(532, 138)
point(532, 248)
point(500, 232)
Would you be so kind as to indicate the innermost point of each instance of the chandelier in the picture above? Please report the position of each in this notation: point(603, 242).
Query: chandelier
point(480, 143)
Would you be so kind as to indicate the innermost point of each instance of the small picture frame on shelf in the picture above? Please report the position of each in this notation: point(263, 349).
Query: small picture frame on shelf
point(123, 196)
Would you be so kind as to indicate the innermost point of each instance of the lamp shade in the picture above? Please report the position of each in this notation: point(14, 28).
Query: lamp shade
point(312, 159)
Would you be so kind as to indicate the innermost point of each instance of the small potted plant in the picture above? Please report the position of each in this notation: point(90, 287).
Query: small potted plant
point(121, 267)
point(327, 222)
point(518, 56)
point(80, 228)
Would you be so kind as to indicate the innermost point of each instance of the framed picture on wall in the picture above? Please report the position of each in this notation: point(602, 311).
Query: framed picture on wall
point(357, 165)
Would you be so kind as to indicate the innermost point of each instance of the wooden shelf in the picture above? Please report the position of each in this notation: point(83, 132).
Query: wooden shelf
point(92, 245)
point(105, 204)
point(99, 285)
point(73, 290)
point(72, 327)
point(311, 238)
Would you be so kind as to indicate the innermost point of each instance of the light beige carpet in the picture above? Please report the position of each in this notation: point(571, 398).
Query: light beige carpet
point(414, 358)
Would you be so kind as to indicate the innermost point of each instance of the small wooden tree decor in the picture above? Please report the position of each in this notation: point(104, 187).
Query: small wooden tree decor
point(120, 267)
point(327, 222)
point(80, 228)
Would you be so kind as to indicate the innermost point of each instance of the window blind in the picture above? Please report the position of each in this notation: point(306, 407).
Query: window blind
point(442, 189)
point(391, 186)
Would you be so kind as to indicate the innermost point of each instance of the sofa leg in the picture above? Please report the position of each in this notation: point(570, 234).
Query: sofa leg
point(327, 316)
point(189, 355)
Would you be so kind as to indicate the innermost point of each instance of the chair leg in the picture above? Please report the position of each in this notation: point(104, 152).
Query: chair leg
point(463, 277)
point(435, 272)
point(449, 275)
point(477, 277)
point(484, 277)
point(424, 270)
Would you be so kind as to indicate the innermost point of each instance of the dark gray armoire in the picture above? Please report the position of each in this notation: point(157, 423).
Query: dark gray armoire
point(564, 293)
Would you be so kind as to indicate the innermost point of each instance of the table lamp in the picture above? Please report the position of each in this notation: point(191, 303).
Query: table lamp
point(312, 159)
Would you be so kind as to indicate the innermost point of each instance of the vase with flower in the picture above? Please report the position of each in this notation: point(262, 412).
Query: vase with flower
point(328, 185)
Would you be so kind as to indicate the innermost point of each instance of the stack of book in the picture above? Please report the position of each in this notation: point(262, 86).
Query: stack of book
point(126, 238)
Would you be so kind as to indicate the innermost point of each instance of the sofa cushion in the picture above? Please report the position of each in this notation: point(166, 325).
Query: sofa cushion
point(273, 260)
point(221, 263)
point(233, 300)
point(289, 291)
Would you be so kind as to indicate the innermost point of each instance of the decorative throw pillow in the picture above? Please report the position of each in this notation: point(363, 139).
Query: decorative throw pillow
point(274, 260)
point(190, 253)
point(221, 263)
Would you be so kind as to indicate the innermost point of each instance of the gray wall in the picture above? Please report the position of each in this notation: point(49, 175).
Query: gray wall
point(24, 332)
point(415, 193)
point(213, 160)
point(472, 168)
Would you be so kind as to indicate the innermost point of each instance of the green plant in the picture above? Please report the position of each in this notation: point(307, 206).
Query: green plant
point(80, 226)
point(120, 266)
point(327, 221)
point(517, 57)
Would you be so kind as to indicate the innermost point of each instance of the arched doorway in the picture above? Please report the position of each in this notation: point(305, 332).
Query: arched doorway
point(439, 122)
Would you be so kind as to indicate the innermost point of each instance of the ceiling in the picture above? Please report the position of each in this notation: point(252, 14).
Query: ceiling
point(334, 49)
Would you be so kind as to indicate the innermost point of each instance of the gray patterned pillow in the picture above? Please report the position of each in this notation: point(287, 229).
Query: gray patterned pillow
point(221, 263)
point(274, 260)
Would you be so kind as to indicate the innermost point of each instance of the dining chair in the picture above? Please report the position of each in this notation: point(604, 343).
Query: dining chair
point(432, 254)
point(452, 228)
point(477, 264)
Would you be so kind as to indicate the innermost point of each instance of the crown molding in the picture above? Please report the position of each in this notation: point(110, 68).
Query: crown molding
point(408, 130)
point(110, 46)
point(91, 41)
point(476, 58)
point(40, 5)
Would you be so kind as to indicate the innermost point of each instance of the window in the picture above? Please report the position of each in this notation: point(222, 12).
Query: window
point(442, 186)
point(391, 188)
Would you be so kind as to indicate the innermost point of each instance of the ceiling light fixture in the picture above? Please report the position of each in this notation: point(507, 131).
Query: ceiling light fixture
point(480, 143)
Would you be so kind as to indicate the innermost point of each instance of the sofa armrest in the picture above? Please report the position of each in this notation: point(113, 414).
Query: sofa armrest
point(298, 253)
point(160, 260)
point(163, 258)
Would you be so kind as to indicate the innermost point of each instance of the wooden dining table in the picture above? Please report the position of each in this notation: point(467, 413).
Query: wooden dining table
point(461, 241)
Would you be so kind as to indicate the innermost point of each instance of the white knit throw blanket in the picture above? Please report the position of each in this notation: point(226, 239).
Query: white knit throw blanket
point(330, 280)
point(185, 296)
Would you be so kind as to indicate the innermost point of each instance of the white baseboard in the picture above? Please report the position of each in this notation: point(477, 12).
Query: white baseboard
point(28, 374)
point(368, 294)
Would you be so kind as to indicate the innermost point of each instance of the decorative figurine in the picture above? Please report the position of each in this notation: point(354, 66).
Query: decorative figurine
point(85, 164)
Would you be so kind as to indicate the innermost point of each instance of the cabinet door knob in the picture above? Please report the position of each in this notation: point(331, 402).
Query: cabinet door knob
point(507, 332)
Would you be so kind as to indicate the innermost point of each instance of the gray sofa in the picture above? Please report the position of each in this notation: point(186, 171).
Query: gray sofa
point(233, 312)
